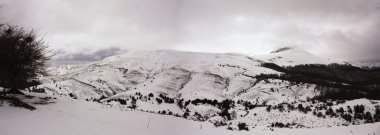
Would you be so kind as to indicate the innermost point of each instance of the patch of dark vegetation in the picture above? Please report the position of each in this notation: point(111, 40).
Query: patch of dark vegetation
point(133, 103)
point(220, 123)
point(185, 115)
point(249, 105)
point(122, 101)
point(359, 113)
point(167, 99)
point(274, 67)
point(282, 125)
point(205, 101)
point(200, 117)
point(225, 106)
point(336, 81)
point(16, 102)
point(159, 101)
point(243, 126)
point(71, 95)
point(303, 109)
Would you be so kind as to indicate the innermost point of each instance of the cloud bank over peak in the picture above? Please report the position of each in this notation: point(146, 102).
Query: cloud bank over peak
point(342, 29)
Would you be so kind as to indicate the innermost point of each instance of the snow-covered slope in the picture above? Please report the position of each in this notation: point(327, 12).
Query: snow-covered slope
point(290, 56)
point(189, 74)
point(199, 86)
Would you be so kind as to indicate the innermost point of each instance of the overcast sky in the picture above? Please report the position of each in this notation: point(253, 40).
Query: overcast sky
point(79, 30)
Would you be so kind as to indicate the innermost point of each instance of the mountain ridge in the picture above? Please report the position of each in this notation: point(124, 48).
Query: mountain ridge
point(214, 87)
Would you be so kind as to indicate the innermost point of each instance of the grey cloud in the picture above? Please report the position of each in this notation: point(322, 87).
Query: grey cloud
point(62, 57)
point(266, 25)
point(73, 24)
point(344, 29)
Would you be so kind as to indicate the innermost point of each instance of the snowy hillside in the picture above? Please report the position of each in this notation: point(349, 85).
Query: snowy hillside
point(220, 88)
point(171, 72)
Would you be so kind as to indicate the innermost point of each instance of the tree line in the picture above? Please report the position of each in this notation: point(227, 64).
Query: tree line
point(336, 81)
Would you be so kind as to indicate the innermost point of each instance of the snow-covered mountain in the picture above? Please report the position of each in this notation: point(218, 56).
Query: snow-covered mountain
point(199, 86)
point(189, 75)
point(290, 56)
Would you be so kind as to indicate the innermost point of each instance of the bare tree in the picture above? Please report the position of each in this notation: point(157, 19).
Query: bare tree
point(23, 57)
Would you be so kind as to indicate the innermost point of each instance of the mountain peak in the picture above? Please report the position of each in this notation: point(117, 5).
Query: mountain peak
point(292, 55)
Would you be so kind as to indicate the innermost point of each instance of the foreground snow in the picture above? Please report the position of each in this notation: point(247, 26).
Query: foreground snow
point(67, 116)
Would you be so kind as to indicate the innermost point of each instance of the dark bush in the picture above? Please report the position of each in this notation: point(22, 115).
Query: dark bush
point(359, 116)
point(122, 101)
point(133, 103)
point(368, 117)
point(329, 111)
point(220, 123)
point(340, 110)
point(170, 113)
point(319, 114)
point(278, 124)
point(269, 108)
point(300, 108)
point(347, 117)
point(185, 115)
point(224, 107)
point(307, 109)
point(163, 112)
point(359, 108)
point(180, 103)
point(242, 126)
point(159, 101)
point(349, 110)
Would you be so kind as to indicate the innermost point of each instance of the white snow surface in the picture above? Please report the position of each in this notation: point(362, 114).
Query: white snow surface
point(76, 117)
